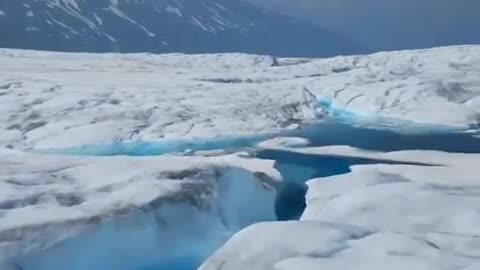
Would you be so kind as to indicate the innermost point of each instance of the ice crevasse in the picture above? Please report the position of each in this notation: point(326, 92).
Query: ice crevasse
point(175, 218)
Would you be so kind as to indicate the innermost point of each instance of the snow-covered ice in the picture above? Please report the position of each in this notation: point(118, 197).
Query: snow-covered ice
point(279, 142)
point(60, 100)
point(315, 245)
point(375, 217)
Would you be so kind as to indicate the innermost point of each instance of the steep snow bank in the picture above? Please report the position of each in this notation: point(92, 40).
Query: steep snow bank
point(278, 241)
point(127, 213)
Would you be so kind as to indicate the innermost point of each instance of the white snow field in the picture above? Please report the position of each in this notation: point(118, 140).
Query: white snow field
point(55, 100)
point(81, 212)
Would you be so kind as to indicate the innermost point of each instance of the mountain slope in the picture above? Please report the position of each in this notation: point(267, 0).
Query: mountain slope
point(192, 26)
point(390, 25)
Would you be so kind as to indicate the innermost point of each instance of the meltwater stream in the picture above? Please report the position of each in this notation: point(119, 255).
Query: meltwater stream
point(295, 168)
point(321, 134)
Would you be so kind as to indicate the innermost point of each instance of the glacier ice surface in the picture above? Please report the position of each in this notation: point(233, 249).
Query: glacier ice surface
point(155, 104)
point(60, 100)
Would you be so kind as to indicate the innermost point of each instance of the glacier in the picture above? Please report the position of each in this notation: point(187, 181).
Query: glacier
point(152, 162)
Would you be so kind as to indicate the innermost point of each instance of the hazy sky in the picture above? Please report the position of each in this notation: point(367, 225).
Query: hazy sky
point(390, 24)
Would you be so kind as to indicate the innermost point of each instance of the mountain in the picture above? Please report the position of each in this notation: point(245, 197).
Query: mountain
point(162, 26)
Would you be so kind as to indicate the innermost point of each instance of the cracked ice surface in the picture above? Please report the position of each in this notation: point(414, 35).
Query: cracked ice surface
point(126, 213)
point(375, 217)
point(55, 100)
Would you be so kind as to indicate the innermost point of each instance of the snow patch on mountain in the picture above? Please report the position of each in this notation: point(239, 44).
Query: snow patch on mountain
point(162, 26)
point(174, 10)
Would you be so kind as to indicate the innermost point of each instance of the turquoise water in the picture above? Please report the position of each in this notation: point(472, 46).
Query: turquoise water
point(298, 168)
point(320, 134)
point(386, 139)
point(182, 263)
